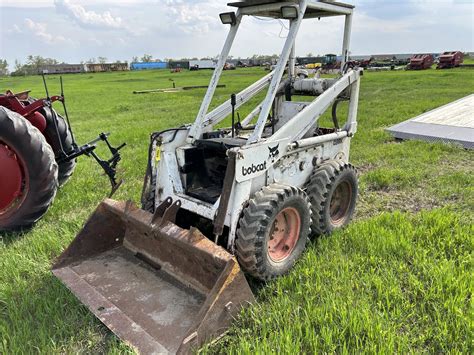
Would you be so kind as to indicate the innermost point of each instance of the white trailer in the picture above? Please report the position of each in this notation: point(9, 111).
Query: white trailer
point(202, 64)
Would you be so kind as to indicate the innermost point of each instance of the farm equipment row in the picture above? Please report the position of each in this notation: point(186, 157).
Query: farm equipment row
point(416, 62)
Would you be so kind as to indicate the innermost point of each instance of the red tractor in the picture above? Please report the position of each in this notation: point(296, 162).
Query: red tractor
point(37, 155)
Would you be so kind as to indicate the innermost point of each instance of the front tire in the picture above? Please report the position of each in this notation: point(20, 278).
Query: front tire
point(273, 230)
point(28, 169)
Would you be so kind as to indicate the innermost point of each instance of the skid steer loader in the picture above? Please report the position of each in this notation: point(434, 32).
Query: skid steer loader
point(163, 277)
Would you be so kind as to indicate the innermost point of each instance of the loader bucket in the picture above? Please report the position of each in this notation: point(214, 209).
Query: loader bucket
point(159, 287)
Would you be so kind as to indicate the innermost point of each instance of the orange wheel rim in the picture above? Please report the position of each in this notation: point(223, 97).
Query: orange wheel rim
point(340, 203)
point(284, 234)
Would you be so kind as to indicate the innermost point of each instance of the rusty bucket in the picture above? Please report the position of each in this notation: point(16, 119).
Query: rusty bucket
point(160, 288)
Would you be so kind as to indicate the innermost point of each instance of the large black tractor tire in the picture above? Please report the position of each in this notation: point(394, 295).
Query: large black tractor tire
point(272, 231)
point(332, 190)
point(30, 165)
point(57, 137)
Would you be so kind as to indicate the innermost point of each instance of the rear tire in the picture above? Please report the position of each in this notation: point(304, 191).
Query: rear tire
point(272, 232)
point(54, 138)
point(332, 190)
point(39, 171)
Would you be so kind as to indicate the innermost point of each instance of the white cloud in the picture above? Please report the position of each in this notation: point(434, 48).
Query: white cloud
point(197, 18)
point(15, 29)
point(121, 29)
point(40, 30)
point(88, 19)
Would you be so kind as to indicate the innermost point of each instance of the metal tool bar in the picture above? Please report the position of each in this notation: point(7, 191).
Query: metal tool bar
point(308, 142)
point(223, 110)
point(279, 71)
point(346, 41)
point(333, 8)
point(197, 128)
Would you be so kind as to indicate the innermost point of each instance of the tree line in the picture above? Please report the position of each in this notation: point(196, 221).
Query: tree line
point(34, 63)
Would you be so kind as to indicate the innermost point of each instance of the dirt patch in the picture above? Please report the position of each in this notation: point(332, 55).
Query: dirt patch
point(415, 198)
point(460, 164)
point(371, 203)
point(364, 168)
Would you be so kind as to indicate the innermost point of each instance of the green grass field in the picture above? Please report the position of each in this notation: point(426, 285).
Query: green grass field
point(398, 279)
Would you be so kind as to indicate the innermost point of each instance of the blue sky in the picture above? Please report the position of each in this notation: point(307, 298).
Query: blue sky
point(75, 30)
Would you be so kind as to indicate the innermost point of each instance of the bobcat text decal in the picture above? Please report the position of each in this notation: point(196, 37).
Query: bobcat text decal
point(254, 168)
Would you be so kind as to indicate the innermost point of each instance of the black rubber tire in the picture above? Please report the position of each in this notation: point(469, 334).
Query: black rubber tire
point(148, 194)
point(255, 224)
point(320, 189)
point(65, 168)
point(41, 168)
point(149, 182)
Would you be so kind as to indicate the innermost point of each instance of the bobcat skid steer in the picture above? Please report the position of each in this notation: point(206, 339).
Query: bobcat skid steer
point(218, 203)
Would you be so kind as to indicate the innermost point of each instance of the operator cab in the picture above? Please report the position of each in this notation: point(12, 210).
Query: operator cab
point(203, 164)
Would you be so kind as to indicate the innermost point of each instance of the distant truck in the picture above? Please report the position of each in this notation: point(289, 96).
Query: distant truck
point(202, 64)
point(450, 60)
point(420, 62)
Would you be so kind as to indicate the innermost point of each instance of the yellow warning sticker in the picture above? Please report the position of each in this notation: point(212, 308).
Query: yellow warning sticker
point(158, 154)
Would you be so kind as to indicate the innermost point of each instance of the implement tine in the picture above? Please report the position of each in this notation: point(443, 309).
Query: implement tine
point(170, 213)
point(160, 210)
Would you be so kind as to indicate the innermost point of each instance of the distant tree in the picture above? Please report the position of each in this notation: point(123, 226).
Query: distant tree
point(146, 58)
point(18, 65)
point(134, 59)
point(3, 67)
point(310, 54)
point(90, 61)
point(102, 60)
point(18, 69)
point(34, 65)
point(36, 62)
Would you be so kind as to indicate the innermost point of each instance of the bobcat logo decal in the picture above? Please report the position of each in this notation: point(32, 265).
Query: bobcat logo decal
point(273, 151)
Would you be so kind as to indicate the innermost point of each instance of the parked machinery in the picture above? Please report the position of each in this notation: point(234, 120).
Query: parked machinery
point(163, 277)
point(420, 62)
point(449, 60)
point(37, 155)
